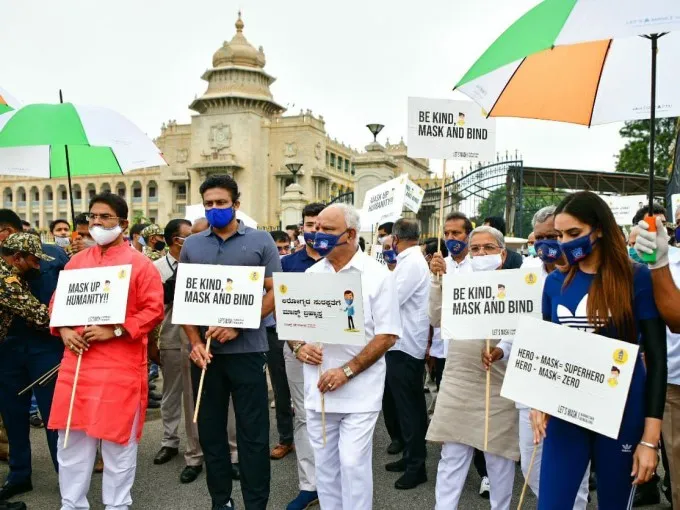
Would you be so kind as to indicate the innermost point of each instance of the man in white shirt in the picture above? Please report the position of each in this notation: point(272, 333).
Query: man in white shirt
point(352, 378)
point(406, 360)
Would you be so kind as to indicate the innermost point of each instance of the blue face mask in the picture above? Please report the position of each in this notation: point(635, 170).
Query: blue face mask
point(455, 247)
point(349, 301)
point(548, 250)
point(677, 234)
point(220, 217)
point(324, 243)
point(578, 249)
point(390, 256)
point(633, 254)
point(309, 238)
point(532, 251)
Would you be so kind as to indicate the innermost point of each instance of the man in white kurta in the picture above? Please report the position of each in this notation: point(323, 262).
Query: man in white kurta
point(353, 377)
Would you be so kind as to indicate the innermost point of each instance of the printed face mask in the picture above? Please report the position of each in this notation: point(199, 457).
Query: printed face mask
point(486, 262)
point(324, 243)
point(548, 250)
point(578, 249)
point(220, 217)
point(455, 247)
point(677, 234)
point(104, 236)
point(308, 239)
point(390, 256)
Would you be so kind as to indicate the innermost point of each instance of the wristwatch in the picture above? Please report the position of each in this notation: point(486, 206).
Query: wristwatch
point(118, 331)
point(348, 372)
point(297, 348)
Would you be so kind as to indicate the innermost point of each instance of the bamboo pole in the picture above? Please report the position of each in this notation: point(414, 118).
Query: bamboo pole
point(73, 399)
point(488, 398)
point(200, 384)
point(527, 477)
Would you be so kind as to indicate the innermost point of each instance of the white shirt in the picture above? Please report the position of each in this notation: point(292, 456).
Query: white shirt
point(381, 317)
point(172, 335)
point(673, 339)
point(437, 349)
point(412, 277)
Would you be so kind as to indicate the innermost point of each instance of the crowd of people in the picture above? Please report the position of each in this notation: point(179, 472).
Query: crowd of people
point(593, 272)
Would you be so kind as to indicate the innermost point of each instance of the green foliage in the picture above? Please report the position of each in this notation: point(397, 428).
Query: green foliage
point(533, 199)
point(634, 157)
point(138, 217)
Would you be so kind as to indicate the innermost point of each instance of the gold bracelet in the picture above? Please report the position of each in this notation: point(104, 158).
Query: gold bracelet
point(297, 348)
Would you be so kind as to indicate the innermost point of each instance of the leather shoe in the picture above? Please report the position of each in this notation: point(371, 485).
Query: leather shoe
point(411, 480)
point(165, 454)
point(395, 447)
point(190, 473)
point(398, 466)
point(227, 506)
point(281, 450)
point(235, 471)
point(155, 395)
point(9, 490)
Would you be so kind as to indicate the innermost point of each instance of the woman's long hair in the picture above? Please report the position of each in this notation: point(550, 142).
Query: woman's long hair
point(610, 299)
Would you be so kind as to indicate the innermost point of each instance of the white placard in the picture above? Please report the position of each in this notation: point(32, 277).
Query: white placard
point(384, 202)
point(314, 307)
point(449, 129)
point(228, 296)
point(578, 377)
point(95, 295)
point(625, 207)
point(377, 254)
point(675, 206)
point(477, 306)
point(413, 196)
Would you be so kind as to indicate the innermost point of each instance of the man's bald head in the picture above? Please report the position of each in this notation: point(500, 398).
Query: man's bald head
point(200, 225)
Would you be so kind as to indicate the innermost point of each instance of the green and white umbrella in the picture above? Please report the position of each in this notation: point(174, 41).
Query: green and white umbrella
point(35, 140)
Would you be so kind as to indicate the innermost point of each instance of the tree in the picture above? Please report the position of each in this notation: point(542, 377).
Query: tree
point(634, 157)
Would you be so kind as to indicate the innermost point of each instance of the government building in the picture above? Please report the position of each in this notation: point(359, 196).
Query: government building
point(238, 129)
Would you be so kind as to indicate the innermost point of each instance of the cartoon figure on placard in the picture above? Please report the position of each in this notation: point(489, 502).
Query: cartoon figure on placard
point(613, 381)
point(229, 286)
point(107, 287)
point(461, 119)
point(501, 291)
point(349, 310)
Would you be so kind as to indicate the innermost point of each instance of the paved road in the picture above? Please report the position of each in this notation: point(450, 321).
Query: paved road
point(158, 487)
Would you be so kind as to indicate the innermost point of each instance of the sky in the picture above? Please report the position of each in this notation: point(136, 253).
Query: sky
point(354, 62)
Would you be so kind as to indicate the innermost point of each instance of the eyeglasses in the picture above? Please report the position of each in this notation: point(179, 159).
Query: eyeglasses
point(477, 248)
point(103, 217)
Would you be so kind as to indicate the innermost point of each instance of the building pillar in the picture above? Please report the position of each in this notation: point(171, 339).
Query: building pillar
point(293, 201)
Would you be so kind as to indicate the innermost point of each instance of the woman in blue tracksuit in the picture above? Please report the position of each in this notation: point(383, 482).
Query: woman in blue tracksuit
point(602, 282)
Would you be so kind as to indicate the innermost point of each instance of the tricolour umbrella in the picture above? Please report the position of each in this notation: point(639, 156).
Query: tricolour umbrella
point(61, 140)
point(584, 62)
point(8, 101)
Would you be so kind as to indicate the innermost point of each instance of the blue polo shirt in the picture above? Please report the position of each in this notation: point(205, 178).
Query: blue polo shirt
point(297, 262)
point(247, 247)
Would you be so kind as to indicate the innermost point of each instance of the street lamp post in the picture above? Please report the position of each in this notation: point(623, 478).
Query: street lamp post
point(294, 168)
point(375, 129)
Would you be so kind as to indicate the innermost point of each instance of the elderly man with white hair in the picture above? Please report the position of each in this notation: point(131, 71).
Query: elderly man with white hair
point(458, 419)
point(352, 377)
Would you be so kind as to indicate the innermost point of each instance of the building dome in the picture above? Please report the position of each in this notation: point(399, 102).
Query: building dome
point(238, 51)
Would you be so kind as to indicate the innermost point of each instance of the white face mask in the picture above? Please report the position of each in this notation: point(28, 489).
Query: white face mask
point(486, 262)
point(104, 236)
point(381, 240)
point(62, 241)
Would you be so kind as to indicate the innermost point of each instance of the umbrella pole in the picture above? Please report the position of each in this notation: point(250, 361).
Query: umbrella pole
point(68, 175)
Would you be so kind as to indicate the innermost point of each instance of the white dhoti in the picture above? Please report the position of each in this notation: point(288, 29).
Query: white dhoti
point(526, 449)
point(453, 470)
point(303, 448)
point(344, 467)
point(75, 469)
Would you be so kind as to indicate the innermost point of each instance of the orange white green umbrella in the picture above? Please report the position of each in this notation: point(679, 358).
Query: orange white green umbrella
point(583, 62)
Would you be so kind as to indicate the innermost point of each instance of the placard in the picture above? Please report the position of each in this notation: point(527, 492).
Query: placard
point(96, 295)
point(578, 377)
point(450, 129)
point(413, 196)
point(625, 207)
point(384, 202)
point(675, 206)
point(227, 296)
point(318, 307)
point(477, 306)
point(377, 253)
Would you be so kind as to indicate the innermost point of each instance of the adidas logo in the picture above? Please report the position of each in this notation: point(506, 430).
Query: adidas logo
point(626, 448)
point(578, 319)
